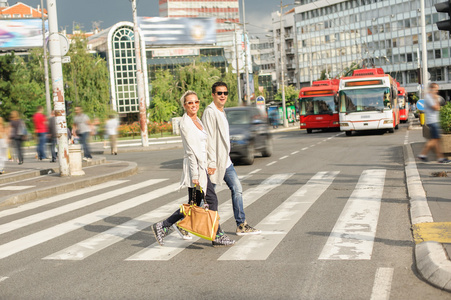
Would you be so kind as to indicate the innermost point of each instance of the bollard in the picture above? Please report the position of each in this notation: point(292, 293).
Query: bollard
point(75, 160)
point(422, 118)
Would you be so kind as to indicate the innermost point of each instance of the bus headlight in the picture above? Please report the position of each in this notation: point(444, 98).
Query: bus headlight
point(388, 121)
point(302, 124)
point(336, 123)
point(344, 124)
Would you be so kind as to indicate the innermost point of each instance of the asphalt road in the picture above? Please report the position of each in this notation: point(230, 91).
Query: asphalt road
point(333, 211)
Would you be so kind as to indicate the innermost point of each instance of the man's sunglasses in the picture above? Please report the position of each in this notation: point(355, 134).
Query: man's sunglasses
point(191, 102)
point(220, 93)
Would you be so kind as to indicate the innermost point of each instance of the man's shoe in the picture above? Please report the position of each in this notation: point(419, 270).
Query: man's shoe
point(246, 229)
point(422, 158)
point(222, 240)
point(160, 232)
point(444, 161)
point(182, 232)
point(85, 158)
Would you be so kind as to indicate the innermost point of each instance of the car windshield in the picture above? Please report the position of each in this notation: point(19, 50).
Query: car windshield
point(238, 117)
point(364, 99)
point(317, 105)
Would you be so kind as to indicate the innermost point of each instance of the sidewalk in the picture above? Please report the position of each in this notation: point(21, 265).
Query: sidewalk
point(429, 189)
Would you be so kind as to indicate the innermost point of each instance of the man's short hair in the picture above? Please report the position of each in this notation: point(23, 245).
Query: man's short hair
point(433, 85)
point(216, 84)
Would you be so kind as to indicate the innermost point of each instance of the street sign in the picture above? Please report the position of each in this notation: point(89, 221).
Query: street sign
point(420, 104)
point(261, 104)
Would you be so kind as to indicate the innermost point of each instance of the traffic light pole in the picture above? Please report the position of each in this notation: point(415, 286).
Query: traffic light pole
point(58, 89)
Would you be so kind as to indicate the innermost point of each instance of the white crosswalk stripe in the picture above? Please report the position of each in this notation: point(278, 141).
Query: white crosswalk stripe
point(173, 245)
point(42, 236)
point(73, 206)
point(352, 238)
point(353, 235)
point(277, 224)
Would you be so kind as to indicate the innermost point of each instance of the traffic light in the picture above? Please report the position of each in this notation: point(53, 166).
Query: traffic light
point(444, 7)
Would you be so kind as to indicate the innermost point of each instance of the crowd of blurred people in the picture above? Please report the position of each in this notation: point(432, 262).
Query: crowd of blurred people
point(14, 133)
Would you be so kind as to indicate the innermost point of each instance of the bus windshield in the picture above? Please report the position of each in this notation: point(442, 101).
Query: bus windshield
point(402, 102)
point(318, 105)
point(375, 99)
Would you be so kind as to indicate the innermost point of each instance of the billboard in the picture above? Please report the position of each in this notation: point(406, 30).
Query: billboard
point(177, 31)
point(21, 33)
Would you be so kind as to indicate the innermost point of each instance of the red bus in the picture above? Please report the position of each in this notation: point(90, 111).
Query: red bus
point(319, 105)
point(403, 105)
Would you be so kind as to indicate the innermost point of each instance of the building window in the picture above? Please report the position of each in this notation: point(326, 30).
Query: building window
point(437, 53)
point(17, 15)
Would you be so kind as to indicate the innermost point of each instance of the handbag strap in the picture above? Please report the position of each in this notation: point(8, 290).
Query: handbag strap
point(194, 196)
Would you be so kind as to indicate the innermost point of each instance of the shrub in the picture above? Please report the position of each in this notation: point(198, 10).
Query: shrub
point(445, 118)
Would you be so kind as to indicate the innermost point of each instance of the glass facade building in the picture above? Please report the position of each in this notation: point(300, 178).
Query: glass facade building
point(381, 33)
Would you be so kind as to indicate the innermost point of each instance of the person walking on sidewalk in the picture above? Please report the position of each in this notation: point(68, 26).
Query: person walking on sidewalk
point(82, 129)
point(3, 146)
point(17, 133)
point(432, 111)
point(52, 135)
point(194, 174)
point(220, 165)
point(111, 126)
point(40, 128)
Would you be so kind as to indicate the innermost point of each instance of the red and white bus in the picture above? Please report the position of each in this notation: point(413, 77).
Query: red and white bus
point(368, 100)
point(319, 105)
point(403, 105)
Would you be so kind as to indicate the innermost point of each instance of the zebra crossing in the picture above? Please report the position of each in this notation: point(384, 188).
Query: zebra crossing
point(352, 237)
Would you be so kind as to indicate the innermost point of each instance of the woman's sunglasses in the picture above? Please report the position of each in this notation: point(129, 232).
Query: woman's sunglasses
point(220, 93)
point(191, 102)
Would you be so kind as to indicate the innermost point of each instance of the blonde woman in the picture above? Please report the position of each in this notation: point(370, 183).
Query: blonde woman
point(194, 138)
point(3, 145)
point(16, 134)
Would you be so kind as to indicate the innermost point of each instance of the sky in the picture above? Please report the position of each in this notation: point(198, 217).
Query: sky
point(109, 12)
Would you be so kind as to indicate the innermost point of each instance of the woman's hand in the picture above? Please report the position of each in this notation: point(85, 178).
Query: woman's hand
point(196, 182)
point(211, 171)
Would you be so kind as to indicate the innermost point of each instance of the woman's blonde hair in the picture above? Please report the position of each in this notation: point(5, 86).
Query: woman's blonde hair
point(186, 94)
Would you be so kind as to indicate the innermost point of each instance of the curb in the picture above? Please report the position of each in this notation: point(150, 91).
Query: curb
point(131, 169)
point(431, 259)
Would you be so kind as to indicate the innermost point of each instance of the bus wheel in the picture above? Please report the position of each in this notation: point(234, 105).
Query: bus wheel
point(397, 127)
point(309, 130)
point(348, 133)
point(391, 130)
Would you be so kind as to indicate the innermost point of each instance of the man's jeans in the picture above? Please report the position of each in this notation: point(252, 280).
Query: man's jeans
point(232, 181)
point(41, 145)
point(84, 142)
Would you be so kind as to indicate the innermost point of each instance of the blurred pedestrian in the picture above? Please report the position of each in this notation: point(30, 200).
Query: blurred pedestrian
point(3, 145)
point(220, 166)
point(83, 128)
point(40, 128)
point(52, 135)
point(432, 111)
point(194, 174)
point(17, 134)
point(111, 126)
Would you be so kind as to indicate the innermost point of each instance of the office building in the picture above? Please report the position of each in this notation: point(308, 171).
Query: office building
point(335, 35)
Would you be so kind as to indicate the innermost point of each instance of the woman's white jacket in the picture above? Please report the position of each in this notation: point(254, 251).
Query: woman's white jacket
point(194, 158)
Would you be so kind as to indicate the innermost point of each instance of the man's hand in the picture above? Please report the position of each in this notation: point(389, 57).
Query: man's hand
point(211, 171)
point(196, 182)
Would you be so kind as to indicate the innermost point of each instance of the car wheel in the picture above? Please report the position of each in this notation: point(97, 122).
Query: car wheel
point(249, 158)
point(309, 130)
point(267, 151)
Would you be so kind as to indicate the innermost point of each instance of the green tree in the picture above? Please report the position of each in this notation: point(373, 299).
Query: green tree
point(291, 95)
point(86, 79)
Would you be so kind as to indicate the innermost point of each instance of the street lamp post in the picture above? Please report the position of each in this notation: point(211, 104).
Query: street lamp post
point(235, 41)
point(46, 65)
point(140, 80)
point(248, 98)
point(282, 76)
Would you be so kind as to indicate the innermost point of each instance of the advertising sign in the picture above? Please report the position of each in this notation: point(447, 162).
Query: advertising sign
point(177, 31)
point(261, 104)
point(21, 33)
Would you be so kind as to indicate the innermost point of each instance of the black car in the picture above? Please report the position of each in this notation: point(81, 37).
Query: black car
point(249, 133)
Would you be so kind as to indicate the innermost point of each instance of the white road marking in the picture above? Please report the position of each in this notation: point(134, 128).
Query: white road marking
point(16, 187)
point(406, 139)
point(353, 235)
point(61, 197)
point(279, 222)
point(173, 245)
point(42, 236)
point(305, 148)
point(295, 152)
point(271, 163)
point(3, 278)
point(116, 234)
point(382, 284)
point(283, 157)
point(16, 224)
